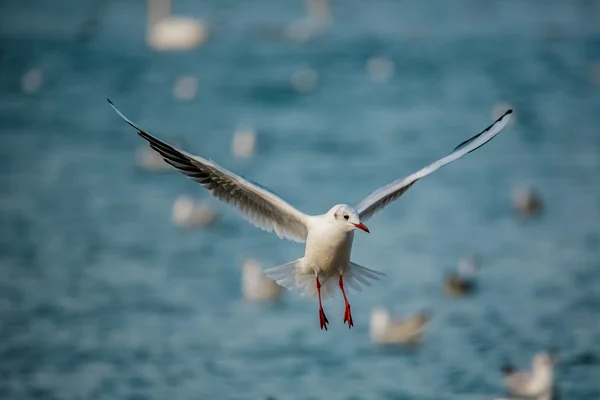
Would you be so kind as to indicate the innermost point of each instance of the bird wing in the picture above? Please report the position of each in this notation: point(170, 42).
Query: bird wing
point(257, 204)
point(385, 195)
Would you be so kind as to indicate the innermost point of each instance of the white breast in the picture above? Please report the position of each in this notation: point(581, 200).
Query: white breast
point(328, 249)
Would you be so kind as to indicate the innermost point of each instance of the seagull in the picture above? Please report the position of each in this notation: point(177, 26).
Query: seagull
point(534, 383)
point(328, 236)
point(386, 330)
point(464, 280)
point(528, 202)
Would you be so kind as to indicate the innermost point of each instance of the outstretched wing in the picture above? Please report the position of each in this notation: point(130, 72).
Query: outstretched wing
point(258, 205)
point(385, 195)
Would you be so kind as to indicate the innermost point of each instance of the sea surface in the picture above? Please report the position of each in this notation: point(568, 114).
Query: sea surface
point(103, 297)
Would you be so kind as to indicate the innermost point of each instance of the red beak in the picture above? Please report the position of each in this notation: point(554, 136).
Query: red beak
point(362, 226)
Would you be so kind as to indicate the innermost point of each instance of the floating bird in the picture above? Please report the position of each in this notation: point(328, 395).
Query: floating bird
point(542, 397)
point(189, 214)
point(185, 87)
point(166, 32)
point(328, 236)
point(314, 24)
point(256, 285)
point(244, 142)
point(304, 80)
point(380, 69)
point(32, 81)
point(385, 330)
point(537, 383)
point(527, 202)
point(462, 282)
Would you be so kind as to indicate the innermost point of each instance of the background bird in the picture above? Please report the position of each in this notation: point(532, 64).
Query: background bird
point(386, 330)
point(534, 383)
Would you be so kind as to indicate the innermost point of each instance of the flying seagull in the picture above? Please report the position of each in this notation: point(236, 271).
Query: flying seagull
point(328, 236)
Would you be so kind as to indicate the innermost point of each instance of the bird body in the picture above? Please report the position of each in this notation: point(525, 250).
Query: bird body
point(328, 236)
point(528, 202)
point(464, 281)
point(189, 214)
point(386, 330)
point(167, 32)
point(328, 244)
point(534, 383)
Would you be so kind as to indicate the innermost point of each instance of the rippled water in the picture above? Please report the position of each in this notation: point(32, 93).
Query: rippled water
point(101, 297)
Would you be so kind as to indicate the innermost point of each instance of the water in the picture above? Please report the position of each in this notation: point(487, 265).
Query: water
point(101, 297)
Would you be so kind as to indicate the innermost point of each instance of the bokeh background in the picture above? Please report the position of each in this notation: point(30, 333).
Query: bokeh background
point(102, 296)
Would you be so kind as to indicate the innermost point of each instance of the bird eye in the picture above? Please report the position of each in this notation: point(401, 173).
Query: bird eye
point(346, 217)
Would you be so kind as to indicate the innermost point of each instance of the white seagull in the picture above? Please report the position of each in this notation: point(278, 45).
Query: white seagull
point(328, 236)
point(535, 383)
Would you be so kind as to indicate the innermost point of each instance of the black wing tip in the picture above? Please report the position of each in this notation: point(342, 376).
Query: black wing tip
point(500, 118)
point(506, 114)
point(466, 142)
point(140, 131)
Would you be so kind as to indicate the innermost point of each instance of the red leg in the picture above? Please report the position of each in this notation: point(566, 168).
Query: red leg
point(347, 313)
point(322, 318)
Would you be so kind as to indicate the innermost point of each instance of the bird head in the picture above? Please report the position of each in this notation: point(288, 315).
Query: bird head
point(346, 217)
point(543, 361)
point(380, 322)
point(508, 369)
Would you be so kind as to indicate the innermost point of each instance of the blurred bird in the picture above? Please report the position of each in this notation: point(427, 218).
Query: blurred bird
point(380, 69)
point(185, 87)
point(165, 32)
point(527, 202)
point(244, 142)
point(188, 214)
point(314, 24)
point(385, 330)
point(32, 80)
point(462, 282)
point(304, 80)
point(256, 285)
point(328, 236)
point(542, 397)
point(536, 383)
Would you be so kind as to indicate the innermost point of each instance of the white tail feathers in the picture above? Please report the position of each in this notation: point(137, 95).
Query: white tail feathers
point(358, 275)
point(292, 277)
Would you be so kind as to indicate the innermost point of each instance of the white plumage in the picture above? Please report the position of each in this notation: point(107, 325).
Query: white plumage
point(385, 330)
point(166, 32)
point(535, 383)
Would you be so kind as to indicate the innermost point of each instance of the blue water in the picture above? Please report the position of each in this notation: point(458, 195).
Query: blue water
point(101, 297)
